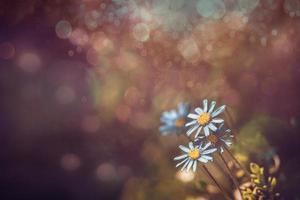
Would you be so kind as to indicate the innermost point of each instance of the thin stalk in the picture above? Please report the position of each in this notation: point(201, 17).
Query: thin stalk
point(237, 162)
point(235, 182)
point(230, 122)
point(219, 166)
point(229, 117)
point(216, 182)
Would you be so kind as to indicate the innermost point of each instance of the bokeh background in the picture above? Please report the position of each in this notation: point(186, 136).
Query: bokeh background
point(83, 84)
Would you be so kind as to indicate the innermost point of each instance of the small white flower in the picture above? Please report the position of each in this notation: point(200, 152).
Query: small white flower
point(204, 118)
point(220, 139)
point(173, 121)
point(193, 154)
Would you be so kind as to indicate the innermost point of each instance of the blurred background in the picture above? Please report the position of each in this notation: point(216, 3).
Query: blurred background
point(83, 84)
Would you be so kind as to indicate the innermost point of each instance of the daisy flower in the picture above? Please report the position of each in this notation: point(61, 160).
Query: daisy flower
point(220, 139)
point(194, 154)
point(174, 120)
point(204, 118)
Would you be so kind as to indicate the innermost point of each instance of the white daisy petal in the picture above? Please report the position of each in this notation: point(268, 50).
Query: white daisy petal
point(185, 149)
point(191, 146)
point(199, 111)
point(218, 121)
point(206, 145)
point(191, 130)
point(198, 131)
point(228, 143)
point(182, 107)
point(202, 160)
point(205, 105)
point(185, 164)
point(195, 166)
point(189, 165)
point(212, 106)
point(206, 131)
point(193, 116)
point(173, 113)
point(191, 123)
point(221, 150)
point(221, 126)
point(218, 111)
point(212, 127)
point(180, 157)
point(209, 151)
point(185, 160)
point(228, 131)
point(207, 157)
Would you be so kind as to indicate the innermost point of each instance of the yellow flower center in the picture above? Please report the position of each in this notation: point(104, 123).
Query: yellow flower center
point(194, 154)
point(212, 138)
point(180, 122)
point(204, 118)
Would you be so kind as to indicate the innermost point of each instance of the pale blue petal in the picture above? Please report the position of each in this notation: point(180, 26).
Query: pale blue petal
point(191, 123)
point(193, 116)
point(218, 111)
point(185, 164)
point(206, 145)
point(209, 151)
point(218, 121)
point(221, 150)
point(166, 129)
point(181, 157)
point(184, 149)
point(205, 105)
point(198, 131)
point(202, 160)
point(206, 131)
point(199, 111)
point(191, 130)
point(173, 113)
point(185, 160)
point(182, 109)
point(228, 143)
point(191, 146)
point(212, 127)
point(212, 106)
point(228, 131)
point(207, 157)
point(194, 165)
point(221, 125)
point(189, 165)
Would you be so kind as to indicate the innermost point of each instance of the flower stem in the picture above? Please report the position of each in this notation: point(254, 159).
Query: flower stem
point(237, 162)
point(230, 118)
point(235, 182)
point(216, 182)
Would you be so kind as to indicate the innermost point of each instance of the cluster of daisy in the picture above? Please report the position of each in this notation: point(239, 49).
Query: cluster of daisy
point(261, 186)
point(210, 134)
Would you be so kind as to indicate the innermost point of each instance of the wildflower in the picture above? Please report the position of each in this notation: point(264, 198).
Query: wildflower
point(174, 120)
point(205, 118)
point(261, 186)
point(193, 154)
point(220, 139)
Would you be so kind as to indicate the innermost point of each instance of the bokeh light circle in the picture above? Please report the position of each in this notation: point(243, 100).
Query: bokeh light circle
point(141, 32)
point(63, 29)
point(29, 62)
point(214, 9)
point(70, 162)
